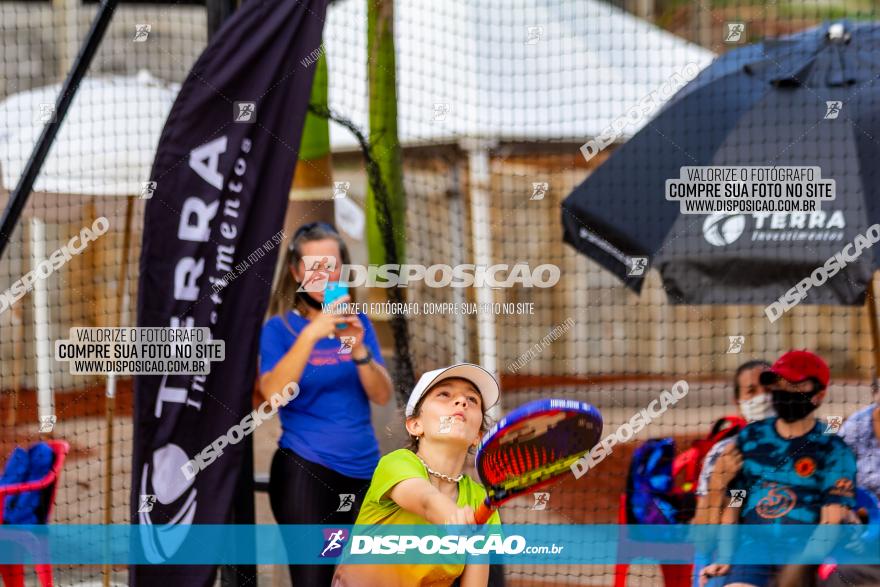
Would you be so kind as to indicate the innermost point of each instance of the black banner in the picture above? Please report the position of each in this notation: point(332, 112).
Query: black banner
point(222, 174)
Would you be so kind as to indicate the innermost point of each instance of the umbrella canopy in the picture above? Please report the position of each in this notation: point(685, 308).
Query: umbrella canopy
point(761, 105)
point(588, 62)
point(106, 144)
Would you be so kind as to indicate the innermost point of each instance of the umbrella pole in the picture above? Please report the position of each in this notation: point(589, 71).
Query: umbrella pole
point(110, 396)
point(875, 328)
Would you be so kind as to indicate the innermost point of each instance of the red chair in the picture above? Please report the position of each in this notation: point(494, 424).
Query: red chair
point(13, 575)
point(673, 575)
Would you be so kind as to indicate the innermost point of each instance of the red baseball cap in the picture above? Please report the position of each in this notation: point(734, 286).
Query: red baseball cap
point(797, 366)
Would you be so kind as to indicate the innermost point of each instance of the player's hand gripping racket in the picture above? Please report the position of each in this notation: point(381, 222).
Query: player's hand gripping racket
point(532, 447)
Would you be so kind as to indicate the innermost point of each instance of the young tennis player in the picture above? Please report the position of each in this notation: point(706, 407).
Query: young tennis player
point(424, 484)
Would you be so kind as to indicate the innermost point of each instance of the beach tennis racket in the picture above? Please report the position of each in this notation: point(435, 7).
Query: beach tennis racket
point(532, 447)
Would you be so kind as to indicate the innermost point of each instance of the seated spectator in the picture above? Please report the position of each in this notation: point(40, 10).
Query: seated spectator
point(753, 403)
point(792, 472)
point(861, 432)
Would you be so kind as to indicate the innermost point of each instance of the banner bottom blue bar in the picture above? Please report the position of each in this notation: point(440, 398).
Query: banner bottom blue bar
point(600, 544)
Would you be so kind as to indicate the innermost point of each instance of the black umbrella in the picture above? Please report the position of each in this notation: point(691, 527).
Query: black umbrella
point(761, 105)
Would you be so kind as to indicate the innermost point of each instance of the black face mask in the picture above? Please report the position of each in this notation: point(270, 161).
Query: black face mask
point(309, 300)
point(792, 406)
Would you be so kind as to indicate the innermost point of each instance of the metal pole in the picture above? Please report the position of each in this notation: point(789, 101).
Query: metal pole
point(110, 393)
point(43, 340)
point(479, 182)
point(68, 90)
point(457, 233)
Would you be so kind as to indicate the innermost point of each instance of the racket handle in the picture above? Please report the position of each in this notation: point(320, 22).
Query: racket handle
point(483, 513)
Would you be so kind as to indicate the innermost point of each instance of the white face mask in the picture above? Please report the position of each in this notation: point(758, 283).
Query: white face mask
point(757, 408)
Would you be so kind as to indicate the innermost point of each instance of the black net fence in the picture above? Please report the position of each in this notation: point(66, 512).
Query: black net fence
point(496, 103)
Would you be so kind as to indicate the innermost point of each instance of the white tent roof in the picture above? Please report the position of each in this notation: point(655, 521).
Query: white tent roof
point(106, 144)
point(590, 63)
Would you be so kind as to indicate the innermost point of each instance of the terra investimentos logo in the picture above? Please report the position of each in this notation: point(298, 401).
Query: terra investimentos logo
point(723, 229)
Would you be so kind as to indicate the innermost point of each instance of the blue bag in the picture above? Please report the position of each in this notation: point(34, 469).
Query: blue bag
point(22, 467)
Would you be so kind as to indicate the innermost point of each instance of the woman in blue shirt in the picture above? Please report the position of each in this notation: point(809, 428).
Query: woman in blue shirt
point(328, 450)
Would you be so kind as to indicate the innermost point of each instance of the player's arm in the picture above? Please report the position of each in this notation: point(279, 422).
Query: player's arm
point(821, 542)
point(719, 471)
point(707, 511)
point(840, 490)
point(418, 496)
point(373, 375)
point(475, 576)
point(701, 513)
point(726, 468)
point(730, 515)
point(726, 544)
point(375, 379)
point(834, 513)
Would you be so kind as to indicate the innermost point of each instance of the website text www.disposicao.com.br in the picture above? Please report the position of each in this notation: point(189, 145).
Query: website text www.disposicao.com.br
point(472, 545)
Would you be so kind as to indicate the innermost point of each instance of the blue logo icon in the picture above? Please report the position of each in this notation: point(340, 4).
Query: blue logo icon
point(334, 542)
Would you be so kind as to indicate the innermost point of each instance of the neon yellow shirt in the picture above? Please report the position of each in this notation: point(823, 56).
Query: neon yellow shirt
point(378, 508)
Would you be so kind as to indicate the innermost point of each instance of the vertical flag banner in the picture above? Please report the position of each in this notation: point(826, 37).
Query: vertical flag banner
point(223, 169)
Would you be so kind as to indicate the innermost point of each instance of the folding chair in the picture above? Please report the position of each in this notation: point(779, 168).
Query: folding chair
point(13, 575)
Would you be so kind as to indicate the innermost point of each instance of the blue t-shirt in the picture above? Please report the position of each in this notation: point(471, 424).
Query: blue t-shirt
point(329, 421)
point(789, 481)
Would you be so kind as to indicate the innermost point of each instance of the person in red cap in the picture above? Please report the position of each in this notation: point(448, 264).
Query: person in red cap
point(787, 469)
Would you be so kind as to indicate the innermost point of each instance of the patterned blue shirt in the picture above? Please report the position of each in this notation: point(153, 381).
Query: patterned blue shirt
point(788, 481)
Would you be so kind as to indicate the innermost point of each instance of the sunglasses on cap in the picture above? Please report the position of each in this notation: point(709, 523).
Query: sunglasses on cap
point(310, 226)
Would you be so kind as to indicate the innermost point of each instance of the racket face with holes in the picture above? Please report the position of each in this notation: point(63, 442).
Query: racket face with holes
point(535, 445)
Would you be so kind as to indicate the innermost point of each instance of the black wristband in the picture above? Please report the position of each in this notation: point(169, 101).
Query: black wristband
point(365, 360)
